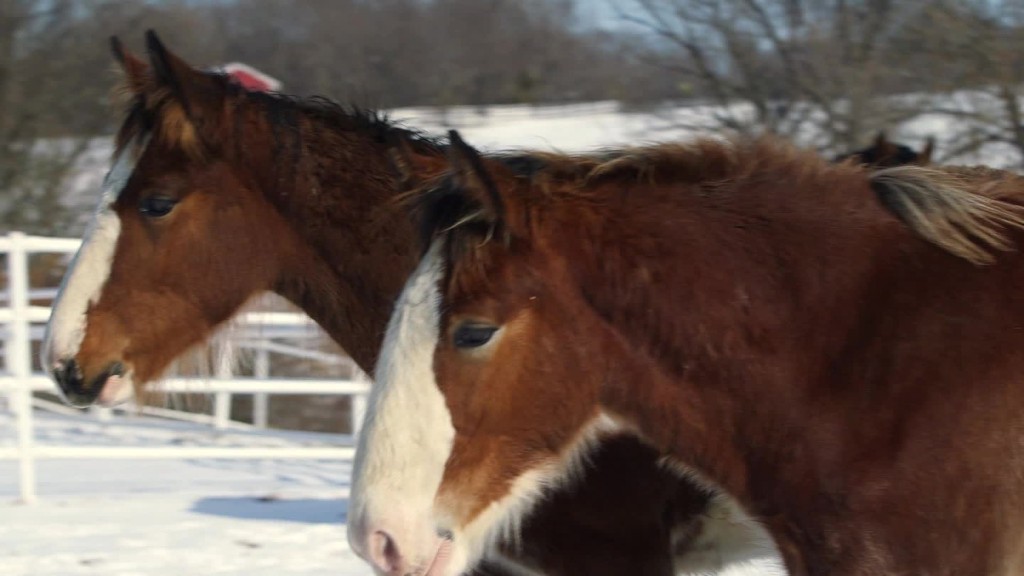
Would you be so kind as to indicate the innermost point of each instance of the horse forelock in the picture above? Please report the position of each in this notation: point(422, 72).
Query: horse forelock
point(163, 116)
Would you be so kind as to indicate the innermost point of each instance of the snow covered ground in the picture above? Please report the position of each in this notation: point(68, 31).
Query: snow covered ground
point(179, 517)
point(173, 517)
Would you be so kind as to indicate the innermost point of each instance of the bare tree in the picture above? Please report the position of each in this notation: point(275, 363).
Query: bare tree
point(55, 84)
point(44, 129)
point(19, 168)
point(974, 53)
point(818, 71)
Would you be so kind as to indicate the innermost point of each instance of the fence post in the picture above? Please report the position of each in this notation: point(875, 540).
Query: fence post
point(359, 402)
point(19, 362)
point(222, 400)
point(261, 370)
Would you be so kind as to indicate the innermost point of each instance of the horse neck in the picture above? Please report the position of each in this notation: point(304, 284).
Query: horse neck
point(335, 187)
point(740, 315)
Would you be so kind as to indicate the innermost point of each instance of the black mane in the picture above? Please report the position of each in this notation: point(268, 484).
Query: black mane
point(284, 114)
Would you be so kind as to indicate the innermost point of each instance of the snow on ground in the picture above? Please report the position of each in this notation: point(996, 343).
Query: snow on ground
point(567, 127)
point(178, 517)
point(177, 534)
point(173, 517)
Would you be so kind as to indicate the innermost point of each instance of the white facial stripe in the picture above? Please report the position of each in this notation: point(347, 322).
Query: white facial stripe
point(407, 435)
point(88, 271)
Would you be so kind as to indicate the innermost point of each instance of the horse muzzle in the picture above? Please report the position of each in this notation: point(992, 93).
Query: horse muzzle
point(81, 391)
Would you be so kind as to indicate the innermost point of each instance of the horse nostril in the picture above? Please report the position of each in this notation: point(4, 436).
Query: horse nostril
point(384, 553)
point(69, 377)
point(445, 534)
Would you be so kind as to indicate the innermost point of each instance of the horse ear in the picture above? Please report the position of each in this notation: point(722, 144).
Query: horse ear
point(925, 157)
point(411, 168)
point(199, 94)
point(133, 66)
point(885, 150)
point(474, 182)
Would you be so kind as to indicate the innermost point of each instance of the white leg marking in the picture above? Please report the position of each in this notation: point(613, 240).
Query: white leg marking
point(83, 282)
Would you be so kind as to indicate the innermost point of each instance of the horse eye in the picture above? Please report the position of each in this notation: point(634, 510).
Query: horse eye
point(473, 335)
point(156, 206)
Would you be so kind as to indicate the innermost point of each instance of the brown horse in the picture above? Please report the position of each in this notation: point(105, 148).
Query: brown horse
point(884, 153)
point(217, 195)
point(846, 369)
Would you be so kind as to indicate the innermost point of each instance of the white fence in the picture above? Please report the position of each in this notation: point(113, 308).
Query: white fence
point(261, 332)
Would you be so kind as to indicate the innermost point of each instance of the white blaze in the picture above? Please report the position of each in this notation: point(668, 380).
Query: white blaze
point(83, 282)
point(407, 434)
point(407, 438)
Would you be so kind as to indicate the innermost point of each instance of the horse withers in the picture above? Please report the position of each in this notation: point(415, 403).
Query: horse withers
point(836, 351)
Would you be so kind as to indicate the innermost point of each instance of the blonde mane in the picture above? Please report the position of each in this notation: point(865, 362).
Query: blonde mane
point(945, 207)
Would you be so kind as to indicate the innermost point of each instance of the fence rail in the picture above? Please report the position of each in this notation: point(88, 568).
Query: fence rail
point(21, 324)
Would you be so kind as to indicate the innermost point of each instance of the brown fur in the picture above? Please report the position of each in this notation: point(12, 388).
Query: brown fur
point(763, 320)
point(299, 197)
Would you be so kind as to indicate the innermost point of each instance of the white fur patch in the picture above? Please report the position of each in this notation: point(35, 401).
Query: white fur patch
point(83, 282)
point(407, 434)
point(730, 541)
